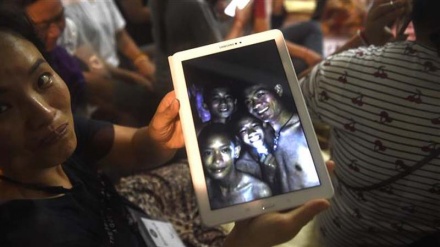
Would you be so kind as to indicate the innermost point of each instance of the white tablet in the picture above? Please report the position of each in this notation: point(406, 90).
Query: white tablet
point(249, 139)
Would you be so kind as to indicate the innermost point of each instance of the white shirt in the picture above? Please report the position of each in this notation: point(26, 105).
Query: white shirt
point(99, 21)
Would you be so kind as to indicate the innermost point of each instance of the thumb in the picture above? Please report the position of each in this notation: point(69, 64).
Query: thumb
point(168, 104)
point(170, 113)
point(302, 215)
point(167, 111)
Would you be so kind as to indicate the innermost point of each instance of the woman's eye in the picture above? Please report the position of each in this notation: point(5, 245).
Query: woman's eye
point(225, 150)
point(45, 80)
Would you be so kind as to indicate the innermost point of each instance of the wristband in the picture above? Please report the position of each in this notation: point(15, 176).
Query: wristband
point(363, 37)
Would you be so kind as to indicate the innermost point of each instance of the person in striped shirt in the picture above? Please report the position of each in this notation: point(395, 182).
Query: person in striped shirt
point(382, 102)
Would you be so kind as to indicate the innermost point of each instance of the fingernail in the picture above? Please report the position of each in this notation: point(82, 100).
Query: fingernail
point(174, 103)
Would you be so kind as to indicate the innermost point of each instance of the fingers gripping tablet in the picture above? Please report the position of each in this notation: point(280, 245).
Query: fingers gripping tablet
point(249, 139)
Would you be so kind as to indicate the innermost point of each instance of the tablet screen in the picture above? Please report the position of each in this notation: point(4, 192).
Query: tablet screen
point(250, 136)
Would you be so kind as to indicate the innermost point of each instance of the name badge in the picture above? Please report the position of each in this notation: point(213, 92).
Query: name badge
point(162, 233)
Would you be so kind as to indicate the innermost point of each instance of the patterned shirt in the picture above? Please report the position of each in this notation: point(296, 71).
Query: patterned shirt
point(383, 104)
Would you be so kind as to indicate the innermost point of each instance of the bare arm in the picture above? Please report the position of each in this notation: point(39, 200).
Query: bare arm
point(130, 77)
point(101, 73)
point(261, 17)
point(261, 25)
point(241, 19)
point(129, 48)
point(309, 56)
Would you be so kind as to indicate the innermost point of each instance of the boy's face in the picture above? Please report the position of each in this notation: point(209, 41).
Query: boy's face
point(221, 103)
point(218, 156)
point(251, 132)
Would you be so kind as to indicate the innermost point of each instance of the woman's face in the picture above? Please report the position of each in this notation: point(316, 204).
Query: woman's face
point(36, 124)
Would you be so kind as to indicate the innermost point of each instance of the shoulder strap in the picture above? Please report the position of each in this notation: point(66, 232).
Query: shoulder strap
point(396, 177)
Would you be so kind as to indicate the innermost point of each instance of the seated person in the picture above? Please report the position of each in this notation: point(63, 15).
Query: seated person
point(105, 87)
point(104, 27)
point(290, 145)
point(226, 185)
point(385, 122)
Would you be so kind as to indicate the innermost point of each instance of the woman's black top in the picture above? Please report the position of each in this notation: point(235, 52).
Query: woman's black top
point(90, 214)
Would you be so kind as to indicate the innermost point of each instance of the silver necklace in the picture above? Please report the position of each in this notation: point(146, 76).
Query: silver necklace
point(277, 134)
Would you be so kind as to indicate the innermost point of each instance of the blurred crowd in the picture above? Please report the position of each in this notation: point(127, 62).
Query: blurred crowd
point(113, 54)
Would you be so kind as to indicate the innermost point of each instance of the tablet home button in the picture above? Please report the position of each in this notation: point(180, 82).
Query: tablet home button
point(268, 206)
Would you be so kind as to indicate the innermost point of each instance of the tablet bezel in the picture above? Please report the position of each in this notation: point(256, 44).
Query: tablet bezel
point(259, 206)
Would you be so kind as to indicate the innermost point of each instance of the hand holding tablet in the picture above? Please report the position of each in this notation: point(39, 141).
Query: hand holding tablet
point(249, 139)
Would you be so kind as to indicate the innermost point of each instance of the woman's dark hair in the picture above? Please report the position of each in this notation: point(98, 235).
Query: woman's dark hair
point(425, 13)
point(14, 20)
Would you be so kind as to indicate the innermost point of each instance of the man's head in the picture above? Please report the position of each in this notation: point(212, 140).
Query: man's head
point(264, 102)
point(219, 150)
point(220, 102)
point(48, 18)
